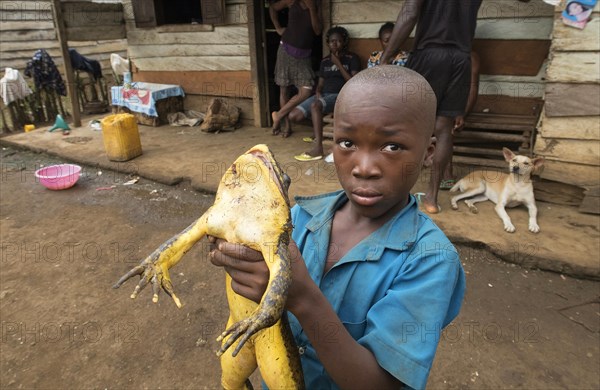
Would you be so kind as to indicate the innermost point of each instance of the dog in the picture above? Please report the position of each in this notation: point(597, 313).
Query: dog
point(504, 189)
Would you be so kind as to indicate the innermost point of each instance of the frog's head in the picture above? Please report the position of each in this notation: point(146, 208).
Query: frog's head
point(259, 163)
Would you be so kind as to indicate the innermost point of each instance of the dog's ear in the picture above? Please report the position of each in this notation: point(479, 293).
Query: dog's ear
point(508, 154)
point(538, 165)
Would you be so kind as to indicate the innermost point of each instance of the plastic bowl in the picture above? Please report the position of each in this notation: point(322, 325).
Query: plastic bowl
point(58, 177)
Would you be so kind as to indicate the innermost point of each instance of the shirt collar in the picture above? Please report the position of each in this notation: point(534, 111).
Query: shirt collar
point(399, 233)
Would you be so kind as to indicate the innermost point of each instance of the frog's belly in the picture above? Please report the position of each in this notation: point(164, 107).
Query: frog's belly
point(240, 308)
point(255, 227)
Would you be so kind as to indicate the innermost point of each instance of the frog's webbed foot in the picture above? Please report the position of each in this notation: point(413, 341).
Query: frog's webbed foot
point(157, 275)
point(154, 269)
point(243, 330)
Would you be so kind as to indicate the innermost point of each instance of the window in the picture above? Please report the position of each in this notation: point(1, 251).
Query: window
point(152, 13)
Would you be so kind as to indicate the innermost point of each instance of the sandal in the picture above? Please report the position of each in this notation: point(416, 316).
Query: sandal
point(447, 184)
point(307, 157)
point(308, 139)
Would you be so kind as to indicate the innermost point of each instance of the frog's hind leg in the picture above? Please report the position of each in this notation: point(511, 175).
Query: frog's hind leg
point(271, 305)
point(235, 371)
point(278, 358)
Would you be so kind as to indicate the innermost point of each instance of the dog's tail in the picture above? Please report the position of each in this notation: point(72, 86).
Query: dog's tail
point(455, 187)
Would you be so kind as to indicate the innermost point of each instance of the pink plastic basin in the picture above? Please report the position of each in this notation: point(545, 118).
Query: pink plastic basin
point(58, 177)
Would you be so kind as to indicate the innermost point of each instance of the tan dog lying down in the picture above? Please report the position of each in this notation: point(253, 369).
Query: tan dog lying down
point(505, 189)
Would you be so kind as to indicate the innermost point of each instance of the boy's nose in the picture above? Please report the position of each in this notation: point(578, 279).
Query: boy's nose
point(365, 166)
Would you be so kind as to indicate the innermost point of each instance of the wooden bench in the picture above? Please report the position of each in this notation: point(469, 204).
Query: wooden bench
point(497, 121)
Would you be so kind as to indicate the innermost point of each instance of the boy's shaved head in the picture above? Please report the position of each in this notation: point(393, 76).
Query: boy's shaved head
point(394, 86)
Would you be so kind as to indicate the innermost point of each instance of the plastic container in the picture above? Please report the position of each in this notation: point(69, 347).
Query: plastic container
point(121, 137)
point(58, 177)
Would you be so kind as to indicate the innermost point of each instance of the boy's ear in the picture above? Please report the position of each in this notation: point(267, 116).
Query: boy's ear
point(428, 160)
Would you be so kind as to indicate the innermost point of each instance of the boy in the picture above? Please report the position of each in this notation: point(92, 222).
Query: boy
point(374, 280)
point(335, 69)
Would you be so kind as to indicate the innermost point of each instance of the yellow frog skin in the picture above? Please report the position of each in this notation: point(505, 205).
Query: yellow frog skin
point(251, 208)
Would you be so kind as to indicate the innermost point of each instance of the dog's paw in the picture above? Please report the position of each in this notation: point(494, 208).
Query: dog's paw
point(472, 208)
point(509, 228)
point(534, 228)
point(454, 206)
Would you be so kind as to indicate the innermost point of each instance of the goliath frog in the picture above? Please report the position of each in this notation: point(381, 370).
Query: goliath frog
point(251, 208)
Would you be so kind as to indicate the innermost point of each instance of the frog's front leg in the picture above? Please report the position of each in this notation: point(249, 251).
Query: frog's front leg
point(272, 304)
point(155, 268)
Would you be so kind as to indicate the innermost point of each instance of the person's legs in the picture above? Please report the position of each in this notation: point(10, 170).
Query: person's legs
point(441, 157)
point(277, 116)
point(316, 113)
point(283, 99)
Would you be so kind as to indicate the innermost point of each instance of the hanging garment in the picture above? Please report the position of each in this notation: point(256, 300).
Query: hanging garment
point(44, 72)
point(13, 86)
point(88, 65)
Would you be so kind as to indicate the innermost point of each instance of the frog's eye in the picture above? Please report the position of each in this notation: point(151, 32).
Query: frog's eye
point(286, 180)
point(345, 144)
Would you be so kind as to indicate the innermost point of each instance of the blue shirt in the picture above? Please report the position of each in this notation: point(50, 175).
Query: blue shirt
point(393, 292)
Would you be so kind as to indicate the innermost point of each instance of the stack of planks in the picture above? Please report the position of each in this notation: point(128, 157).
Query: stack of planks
point(497, 122)
point(328, 126)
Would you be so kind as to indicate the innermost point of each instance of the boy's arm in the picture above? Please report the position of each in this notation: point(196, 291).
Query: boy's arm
point(407, 19)
point(336, 60)
point(459, 121)
point(349, 364)
point(319, 89)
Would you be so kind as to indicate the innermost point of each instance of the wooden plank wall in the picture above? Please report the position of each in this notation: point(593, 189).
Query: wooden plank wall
point(27, 25)
point(569, 134)
point(207, 61)
point(512, 40)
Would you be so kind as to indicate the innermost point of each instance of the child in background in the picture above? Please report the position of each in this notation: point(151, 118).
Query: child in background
point(385, 32)
point(293, 65)
point(374, 280)
point(335, 69)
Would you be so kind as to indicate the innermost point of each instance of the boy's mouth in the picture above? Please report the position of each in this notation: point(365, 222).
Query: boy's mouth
point(365, 196)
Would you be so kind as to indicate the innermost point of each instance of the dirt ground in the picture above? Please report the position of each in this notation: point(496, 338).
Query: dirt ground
point(62, 326)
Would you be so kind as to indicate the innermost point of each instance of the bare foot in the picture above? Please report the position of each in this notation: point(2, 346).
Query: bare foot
point(316, 151)
point(287, 128)
point(276, 128)
point(429, 206)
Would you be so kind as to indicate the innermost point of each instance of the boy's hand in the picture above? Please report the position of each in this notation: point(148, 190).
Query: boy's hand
point(250, 274)
point(247, 267)
point(280, 30)
point(459, 123)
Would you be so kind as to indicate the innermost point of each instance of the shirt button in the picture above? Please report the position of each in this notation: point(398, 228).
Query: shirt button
point(301, 350)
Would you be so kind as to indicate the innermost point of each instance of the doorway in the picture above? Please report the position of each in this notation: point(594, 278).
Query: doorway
point(264, 50)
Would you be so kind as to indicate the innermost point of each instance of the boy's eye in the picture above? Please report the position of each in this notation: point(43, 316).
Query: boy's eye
point(345, 144)
point(391, 148)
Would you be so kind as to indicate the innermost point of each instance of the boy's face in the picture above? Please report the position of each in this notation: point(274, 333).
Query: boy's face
point(335, 43)
point(385, 38)
point(381, 143)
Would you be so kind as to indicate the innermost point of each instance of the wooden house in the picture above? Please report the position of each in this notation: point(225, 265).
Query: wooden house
point(227, 48)
point(569, 132)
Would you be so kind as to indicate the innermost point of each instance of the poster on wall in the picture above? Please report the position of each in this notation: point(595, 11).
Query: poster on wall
point(578, 12)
